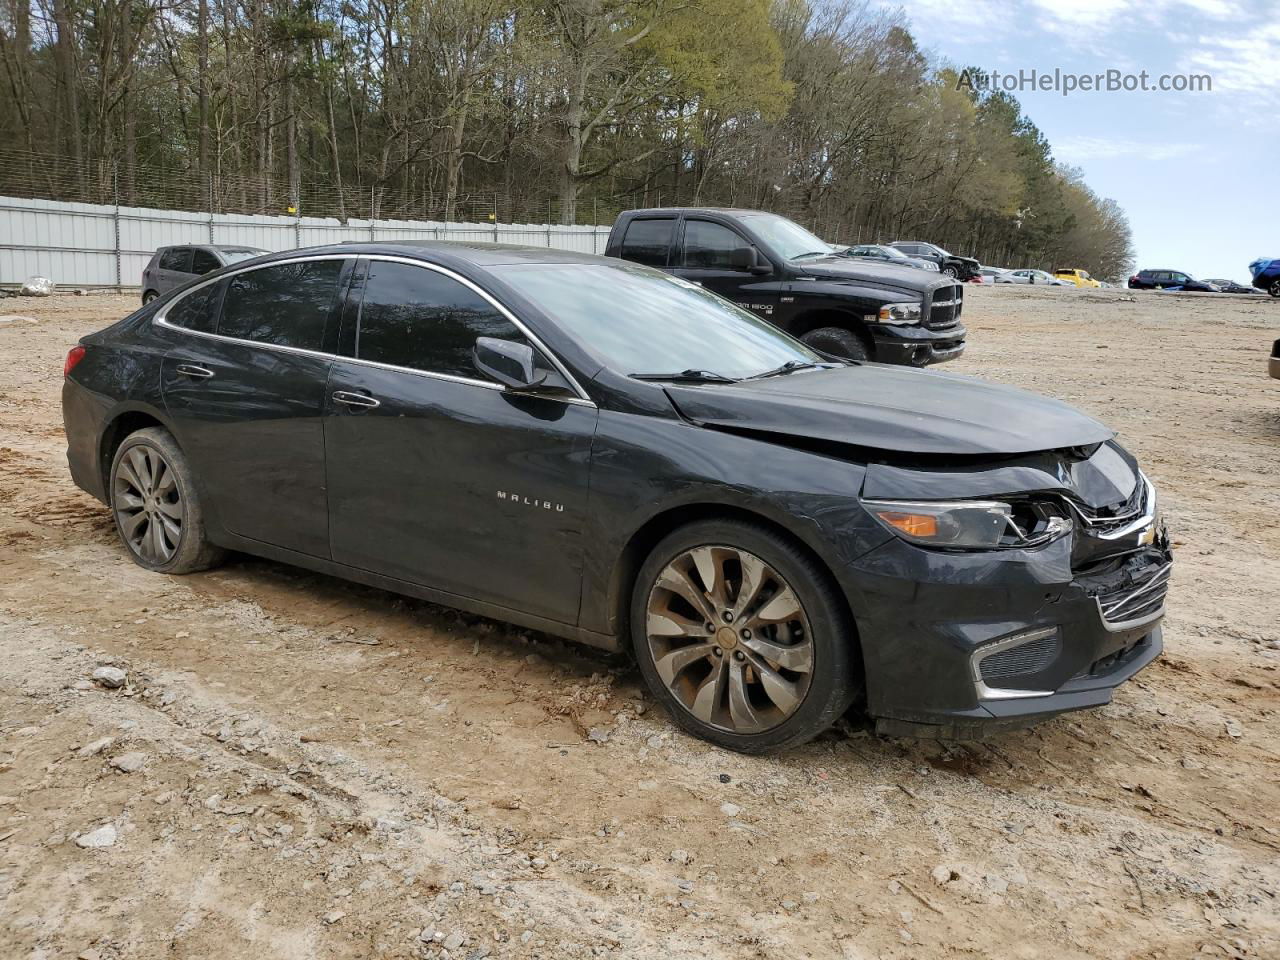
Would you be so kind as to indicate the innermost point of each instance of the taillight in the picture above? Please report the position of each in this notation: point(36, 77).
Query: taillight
point(74, 356)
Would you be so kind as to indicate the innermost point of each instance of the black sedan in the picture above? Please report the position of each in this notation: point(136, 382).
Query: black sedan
point(1230, 286)
point(607, 453)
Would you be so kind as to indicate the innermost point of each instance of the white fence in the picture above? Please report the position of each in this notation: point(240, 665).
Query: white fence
point(88, 245)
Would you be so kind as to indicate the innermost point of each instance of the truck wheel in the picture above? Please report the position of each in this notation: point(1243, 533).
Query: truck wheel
point(839, 342)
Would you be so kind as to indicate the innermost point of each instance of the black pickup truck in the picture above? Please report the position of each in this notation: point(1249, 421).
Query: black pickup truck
point(778, 270)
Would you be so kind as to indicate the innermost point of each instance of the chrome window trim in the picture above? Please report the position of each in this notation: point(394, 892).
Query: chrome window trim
point(581, 398)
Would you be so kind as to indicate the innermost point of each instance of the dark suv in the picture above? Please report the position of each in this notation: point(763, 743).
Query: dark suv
point(1169, 280)
point(962, 268)
point(855, 309)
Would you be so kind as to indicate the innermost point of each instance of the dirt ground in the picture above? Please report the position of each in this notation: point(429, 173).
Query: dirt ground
point(297, 767)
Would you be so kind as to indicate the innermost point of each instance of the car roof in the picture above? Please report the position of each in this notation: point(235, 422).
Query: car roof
point(682, 211)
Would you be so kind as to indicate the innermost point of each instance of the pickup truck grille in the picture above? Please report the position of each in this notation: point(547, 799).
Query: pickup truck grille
point(944, 307)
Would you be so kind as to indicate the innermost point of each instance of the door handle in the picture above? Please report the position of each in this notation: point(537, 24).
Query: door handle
point(191, 370)
point(355, 399)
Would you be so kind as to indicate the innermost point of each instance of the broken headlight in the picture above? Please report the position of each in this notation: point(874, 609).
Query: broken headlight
point(973, 524)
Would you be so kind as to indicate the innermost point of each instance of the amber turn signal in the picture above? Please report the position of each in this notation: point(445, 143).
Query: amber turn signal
point(913, 524)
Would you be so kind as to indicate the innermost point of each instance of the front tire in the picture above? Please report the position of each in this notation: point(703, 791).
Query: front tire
point(839, 343)
point(155, 505)
point(951, 272)
point(741, 635)
point(1274, 287)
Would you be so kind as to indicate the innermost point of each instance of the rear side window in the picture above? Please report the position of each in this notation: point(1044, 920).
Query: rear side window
point(202, 262)
point(647, 241)
point(176, 258)
point(418, 318)
point(710, 245)
point(197, 310)
point(287, 305)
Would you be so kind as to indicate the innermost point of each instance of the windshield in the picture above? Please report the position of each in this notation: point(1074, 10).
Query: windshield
point(785, 237)
point(642, 321)
point(892, 252)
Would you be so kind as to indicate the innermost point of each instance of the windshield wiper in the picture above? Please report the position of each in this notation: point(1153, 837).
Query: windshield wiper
point(687, 376)
point(813, 253)
point(791, 366)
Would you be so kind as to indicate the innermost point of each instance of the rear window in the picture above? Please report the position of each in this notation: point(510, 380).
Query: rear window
point(287, 305)
point(647, 241)
point(176, 258)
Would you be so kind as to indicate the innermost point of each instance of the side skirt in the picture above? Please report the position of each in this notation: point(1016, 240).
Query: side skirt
point(601, 641)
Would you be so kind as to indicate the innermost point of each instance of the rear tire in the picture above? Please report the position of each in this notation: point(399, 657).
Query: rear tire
point(156, 508)
point(743, 637)
point(1274, 287)
point(148, 296)
point(839, 342)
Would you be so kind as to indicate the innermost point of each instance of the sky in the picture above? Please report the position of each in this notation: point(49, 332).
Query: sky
point(1197, 173)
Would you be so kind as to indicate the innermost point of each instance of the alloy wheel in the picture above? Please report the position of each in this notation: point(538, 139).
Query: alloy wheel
point(1275, 288)
point(729, 639)
point(148, 504)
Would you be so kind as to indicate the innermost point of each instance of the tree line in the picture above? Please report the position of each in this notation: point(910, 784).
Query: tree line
point(571, 109)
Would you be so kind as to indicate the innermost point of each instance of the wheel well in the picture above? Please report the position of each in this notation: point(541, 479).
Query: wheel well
point(648, 536)
point(114, 435)
point(816, 319)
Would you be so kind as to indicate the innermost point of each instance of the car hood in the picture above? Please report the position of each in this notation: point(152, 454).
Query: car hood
point(894, 409)
point(856, 270)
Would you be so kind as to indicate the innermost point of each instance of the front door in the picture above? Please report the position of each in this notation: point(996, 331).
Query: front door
point(438, 476)
point(245, 392)
point(707, 258)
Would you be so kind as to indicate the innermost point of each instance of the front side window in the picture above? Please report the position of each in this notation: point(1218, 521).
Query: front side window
point(287, 305)
point(638, 320)
point(710, 246)
point(647, 241)
point(418, 318)
point(176, 258)
point(202, 262)
point(197, 310)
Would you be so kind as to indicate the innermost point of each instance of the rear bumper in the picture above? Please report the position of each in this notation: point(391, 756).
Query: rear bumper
point(917, 346)
point(962, 645)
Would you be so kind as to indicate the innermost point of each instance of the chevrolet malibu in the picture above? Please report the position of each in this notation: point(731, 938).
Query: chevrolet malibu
point(603, 452)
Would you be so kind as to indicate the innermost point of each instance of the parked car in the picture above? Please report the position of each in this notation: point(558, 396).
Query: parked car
point(171, 267)
point(880, 251)
point(1169, 280)
point(1266, 275)
point(1079, 278)
point(1230, 286)
point(610, 454)
point(1034, 277)
point(990, 274)
point(962, 268)
point(858, 309)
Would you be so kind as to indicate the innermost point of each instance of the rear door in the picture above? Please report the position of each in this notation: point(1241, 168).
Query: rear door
point(245, 392)
point(648, 240)
point(438, 476)
point(707, 258)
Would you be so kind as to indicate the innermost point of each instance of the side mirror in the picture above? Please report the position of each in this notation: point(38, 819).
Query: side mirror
point(749, 259)
point(512, 364)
